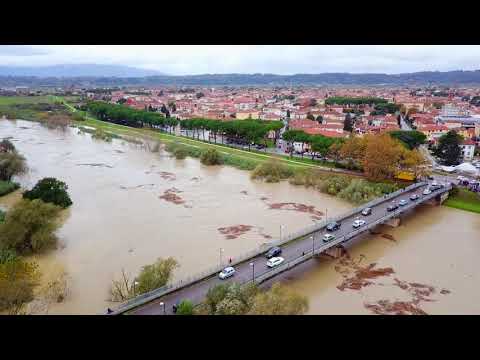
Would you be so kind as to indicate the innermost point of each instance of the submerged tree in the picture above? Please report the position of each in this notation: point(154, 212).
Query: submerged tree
point(50, 190)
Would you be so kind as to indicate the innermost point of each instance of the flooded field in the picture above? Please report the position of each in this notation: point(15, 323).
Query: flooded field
point(132, 205)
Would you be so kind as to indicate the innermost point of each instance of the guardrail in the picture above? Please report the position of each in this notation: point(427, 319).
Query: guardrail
point(214, 270)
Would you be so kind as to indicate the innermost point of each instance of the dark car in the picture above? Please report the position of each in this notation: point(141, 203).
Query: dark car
point(333, 226)
point(392, 207)
point(367, 211)
point(273, 252)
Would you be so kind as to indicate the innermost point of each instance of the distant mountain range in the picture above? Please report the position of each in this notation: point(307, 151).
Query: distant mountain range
point(114, 75)
point(77, 70)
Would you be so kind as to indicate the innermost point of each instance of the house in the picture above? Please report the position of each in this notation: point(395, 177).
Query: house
point(468, 149)
point(433, 132)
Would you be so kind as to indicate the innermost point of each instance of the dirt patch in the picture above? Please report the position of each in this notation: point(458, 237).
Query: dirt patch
point(389, 237)
point(96, 165)
point(309, 209)
point(233, 232)
point(362, 275)
point(135, 187)
point(167, 175)
point(170, 195)
point(357, 276)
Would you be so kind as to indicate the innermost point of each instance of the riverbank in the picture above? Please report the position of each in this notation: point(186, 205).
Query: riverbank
point(464, 200)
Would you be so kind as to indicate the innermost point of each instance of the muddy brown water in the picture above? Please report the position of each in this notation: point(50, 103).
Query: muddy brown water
point(119, 220)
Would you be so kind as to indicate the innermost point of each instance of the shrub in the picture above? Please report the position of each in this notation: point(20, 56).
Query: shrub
point(210, 157)
point(2, 216)
point(102, 135)
point(156, 275)
point(180, 153)
point(185, 308)
point(77, 116)
point(307, 177)
point(11, 164)
point(271, 171)
point(29, 227)
point(17, 281)
point(50, 190)
point(6, 187)
point(334, 184)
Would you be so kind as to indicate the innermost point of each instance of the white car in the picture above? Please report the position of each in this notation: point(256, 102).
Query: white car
point(358, 223)
point(227, 272)
point(427, 191)
point(275, 261)
point(328, 237)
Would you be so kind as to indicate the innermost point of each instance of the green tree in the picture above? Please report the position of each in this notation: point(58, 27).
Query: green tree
point(448, 149)
point(185, 308)
point(310, 117)
point(279, 300)
point(411, 139)
point(155, 275)
point(50, 190)
point(11, 164)
point(6, 146)
point(348, 123)
point(29, 227)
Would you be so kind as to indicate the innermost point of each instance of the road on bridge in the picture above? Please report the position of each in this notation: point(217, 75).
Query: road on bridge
point(245, 272)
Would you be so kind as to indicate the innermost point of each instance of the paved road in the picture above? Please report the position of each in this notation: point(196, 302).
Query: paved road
point(244, 272)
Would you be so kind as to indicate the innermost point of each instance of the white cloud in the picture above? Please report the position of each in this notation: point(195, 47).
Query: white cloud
point(279, 59)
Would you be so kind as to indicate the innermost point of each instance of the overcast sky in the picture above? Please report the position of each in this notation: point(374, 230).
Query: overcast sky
point(278, 59)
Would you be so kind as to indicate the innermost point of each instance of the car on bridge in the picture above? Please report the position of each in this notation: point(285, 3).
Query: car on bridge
point(414, 197)
point(275, 261)
point(272, 252)
point(435, 186)
point(402, 202)
point(367, 211)
point(226, 273)
point(392, 207)
point(328, 237)
point(333, 226)
point(427, 191)
point(357, 223)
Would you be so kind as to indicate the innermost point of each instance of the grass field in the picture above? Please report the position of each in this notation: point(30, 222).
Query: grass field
point(13, 100)
point(464, 200)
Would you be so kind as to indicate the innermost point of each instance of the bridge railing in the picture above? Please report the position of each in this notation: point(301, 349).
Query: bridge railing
point(214, 270)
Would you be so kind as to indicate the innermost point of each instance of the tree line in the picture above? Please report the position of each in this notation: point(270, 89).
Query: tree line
point(343, 100)
point(319, 144)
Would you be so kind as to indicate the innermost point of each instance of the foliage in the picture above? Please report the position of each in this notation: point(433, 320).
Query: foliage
point(382, 157)
point(50, 190)
point(6, 187)
point(78, 116)
point(279, 300)
point(360, 191)
point(102, 135)
point(156, 275)
point(185, 308)
point(464, 199)
point(271, 171)
point(211, 157)
point(340, 100)
point(6, 146)
point(11, 164)
point(348, 123)
point(411, 139)
point(2, 216)
point(334, 184)
point(29, 227)
point(17, 281)
point(448, 149)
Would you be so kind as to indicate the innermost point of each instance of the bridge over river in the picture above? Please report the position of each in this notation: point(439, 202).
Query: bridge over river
point(296, 249)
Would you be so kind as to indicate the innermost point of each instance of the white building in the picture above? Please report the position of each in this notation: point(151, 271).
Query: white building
point(468, 149)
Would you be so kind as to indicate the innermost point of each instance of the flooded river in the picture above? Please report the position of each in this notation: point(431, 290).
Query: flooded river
point(132, 205)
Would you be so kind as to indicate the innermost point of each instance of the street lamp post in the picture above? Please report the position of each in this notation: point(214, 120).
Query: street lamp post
point(221, 252)
point(281, 227)
point(313, 245)
point(135, 283)
point(163, 307)
point(253, 271)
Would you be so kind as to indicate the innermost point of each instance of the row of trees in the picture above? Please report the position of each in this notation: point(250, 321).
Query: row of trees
point(342, 100)
point(247, 131)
